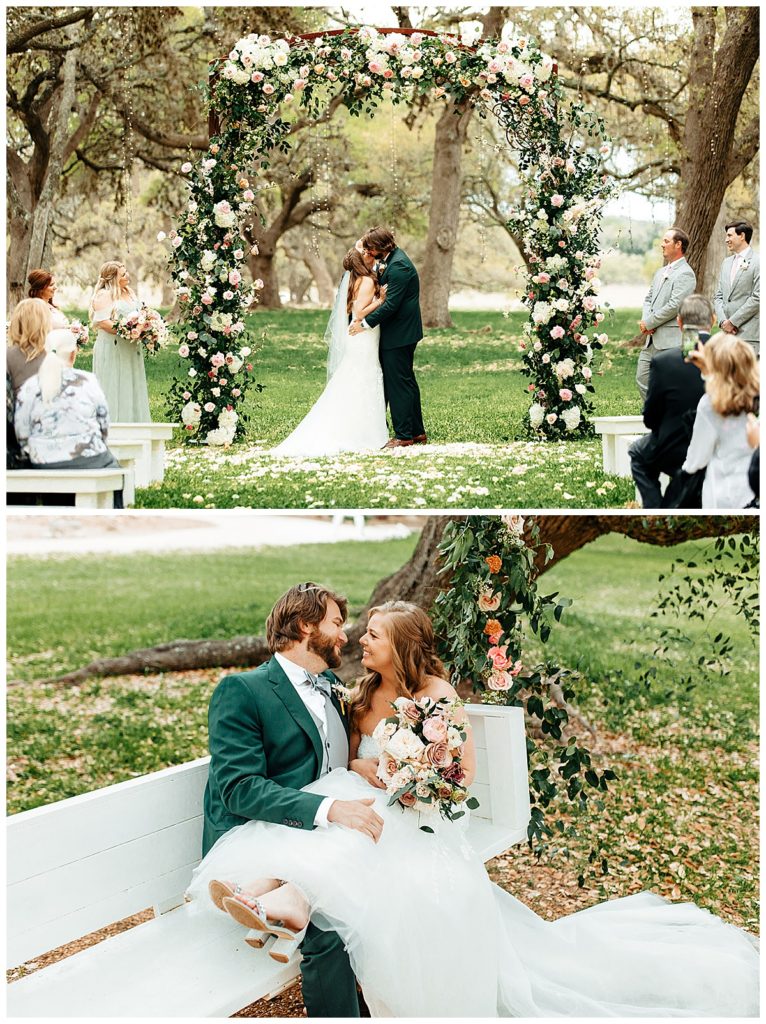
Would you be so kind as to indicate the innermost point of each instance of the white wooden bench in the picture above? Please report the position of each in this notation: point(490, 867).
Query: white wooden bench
point(614, 450)
point(156, 433)
point(81, 864)
point(136, 455)
point(92, 488)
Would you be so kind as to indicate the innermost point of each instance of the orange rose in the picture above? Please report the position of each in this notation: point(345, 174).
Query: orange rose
point(494, 562)
point(407, 799)
point(493, 628)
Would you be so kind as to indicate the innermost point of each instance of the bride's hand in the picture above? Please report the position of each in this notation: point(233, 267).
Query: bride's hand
point(367, 767)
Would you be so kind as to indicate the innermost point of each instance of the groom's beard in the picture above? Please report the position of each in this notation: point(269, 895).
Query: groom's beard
point(324, 647)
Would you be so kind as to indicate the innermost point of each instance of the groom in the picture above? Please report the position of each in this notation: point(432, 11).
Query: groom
point(401, 328)
point(275, 730)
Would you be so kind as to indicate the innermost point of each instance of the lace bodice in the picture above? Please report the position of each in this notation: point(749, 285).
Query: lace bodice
point(368, 747)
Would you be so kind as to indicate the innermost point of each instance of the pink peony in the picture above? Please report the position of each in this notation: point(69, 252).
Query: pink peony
point(435, 730)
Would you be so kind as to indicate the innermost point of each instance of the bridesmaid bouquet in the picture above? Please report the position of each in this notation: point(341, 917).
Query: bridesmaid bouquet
point(144, 327)
point(421, 749)
point(80, 331)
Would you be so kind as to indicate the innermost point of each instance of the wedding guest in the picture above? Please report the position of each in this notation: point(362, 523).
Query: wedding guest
point(675, 388)
point(754, 472)
point(670, 286)
point(42, 285)
point(27, 331)
point(118, 363)
point(719, 441)
point(62, 420)
point(738, 299)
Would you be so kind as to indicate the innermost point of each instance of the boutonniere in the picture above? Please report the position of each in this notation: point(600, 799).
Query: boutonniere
point(343, 694)
point(744, 265)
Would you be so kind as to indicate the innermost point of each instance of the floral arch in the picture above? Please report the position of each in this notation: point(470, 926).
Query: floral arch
point(563, 192)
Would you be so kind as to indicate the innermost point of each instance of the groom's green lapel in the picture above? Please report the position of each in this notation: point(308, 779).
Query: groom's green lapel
point(287, 693)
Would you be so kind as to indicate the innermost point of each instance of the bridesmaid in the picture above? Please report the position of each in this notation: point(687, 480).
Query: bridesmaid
point(118, 364)
point(42, 285)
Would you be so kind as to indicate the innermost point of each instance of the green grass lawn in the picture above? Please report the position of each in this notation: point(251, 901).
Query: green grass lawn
point(474, 394)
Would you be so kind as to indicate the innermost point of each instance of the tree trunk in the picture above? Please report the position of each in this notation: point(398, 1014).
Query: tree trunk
point(317, 267)
point(716, 253)
point(417, 581)
point(709, 161)
point(444, 214)
point(263, 266)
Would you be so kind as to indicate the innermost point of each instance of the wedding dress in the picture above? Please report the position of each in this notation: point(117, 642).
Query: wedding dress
point(428, 934)
point(350, 414)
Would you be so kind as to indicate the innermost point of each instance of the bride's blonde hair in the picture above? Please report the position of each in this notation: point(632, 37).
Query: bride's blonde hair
point(413, 654)
point(109, 281)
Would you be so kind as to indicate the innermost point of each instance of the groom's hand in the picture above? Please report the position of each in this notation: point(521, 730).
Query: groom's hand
point(357, 814)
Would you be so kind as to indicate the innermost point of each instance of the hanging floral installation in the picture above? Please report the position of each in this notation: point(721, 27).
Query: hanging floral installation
point(564, 190)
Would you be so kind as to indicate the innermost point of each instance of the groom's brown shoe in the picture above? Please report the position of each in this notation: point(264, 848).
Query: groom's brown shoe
point(397, 442)
point(420, 439)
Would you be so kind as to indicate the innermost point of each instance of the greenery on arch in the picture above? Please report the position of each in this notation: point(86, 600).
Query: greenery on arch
point(480, 621)
point(564, 190)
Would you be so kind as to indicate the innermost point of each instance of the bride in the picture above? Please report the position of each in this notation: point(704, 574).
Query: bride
point(427, 933)
point(350, 414)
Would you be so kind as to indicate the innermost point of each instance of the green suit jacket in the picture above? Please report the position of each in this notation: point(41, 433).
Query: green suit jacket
point(264, 747)
point(399, 316)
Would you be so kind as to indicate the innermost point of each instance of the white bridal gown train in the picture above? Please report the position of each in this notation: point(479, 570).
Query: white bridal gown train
point(430, 936)
point(350, 414)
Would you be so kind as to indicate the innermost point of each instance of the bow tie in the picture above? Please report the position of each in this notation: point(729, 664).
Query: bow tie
point(319, 683)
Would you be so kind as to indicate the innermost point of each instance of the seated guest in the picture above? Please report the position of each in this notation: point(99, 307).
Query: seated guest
point(719, 441)
point(42, 285)
point(61, 417)
point(675, 388)
point(28, 329)
point(754, 472)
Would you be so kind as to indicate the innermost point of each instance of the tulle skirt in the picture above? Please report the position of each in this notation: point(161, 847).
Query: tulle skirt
point(428, 934)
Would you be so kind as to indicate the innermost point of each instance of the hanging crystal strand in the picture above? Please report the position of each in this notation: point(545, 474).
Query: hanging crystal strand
point(394, 168)
point(127, 137)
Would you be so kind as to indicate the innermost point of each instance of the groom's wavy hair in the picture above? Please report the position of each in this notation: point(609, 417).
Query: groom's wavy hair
point(354, 263)
point(304, 604)
point(379, 239)
point(413, 650)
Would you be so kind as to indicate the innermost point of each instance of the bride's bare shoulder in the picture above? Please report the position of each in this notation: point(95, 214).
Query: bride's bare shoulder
point(436, 688)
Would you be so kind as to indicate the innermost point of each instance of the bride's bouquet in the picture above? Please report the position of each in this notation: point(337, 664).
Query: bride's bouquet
point(144, 327)
point(421, 751)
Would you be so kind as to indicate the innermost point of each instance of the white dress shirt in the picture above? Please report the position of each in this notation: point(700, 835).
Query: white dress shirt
point(314, 701)
point(735, 263)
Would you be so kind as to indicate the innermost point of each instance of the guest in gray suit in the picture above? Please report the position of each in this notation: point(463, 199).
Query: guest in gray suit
point(737, 301)
point(670, 286)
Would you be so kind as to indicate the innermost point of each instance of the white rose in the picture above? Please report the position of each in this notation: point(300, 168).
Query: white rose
point(207, 260)
point(404, 745)
point(571, 417)
point(536, 415)
point(191, 414)
point(565, 368)
point(228, 419)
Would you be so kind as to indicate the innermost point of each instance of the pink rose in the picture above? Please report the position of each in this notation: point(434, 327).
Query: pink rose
point(551, 418)
point(557, 332)
point(268, 89)
point(234, 277)
point(408, 709)
point(185, 168)
point(407, 799)
point(523, 100)
point(500, 681)
point(299, 85)
point(218, 359)
point(248, 195)
point(258, 283)
point(183, 351)
point(438, 755)
point(209, 406)
point(228, 295)
point(497, 655)
point(557, 200)
point(565, 394)
point(435, 730)
point(543, 278)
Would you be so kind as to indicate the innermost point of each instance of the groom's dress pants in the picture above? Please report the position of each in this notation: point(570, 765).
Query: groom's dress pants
point(402, 392)
point(329, 985)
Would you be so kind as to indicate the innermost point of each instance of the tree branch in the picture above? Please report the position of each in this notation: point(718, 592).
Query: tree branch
point(18, 43)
